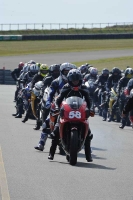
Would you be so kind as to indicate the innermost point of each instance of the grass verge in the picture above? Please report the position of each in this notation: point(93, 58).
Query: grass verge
point(121, 62)
point(10, 48)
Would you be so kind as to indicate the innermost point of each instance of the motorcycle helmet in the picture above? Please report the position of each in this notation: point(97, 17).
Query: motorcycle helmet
point(31, 62)
point(26, 68)
point(33, 69)
point(54, 70)
point(65, 68)
point(116, 71)
point(105, 72)
point(83, 69)
point(128, 73)
point(44, 69)
point(93, 71)
point(20, 65)
point(38, 64)
point(74, 79)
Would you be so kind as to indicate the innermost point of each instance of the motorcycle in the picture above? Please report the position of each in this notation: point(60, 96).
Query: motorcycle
point(112, 99)
point(35, 99)
point(73, 126)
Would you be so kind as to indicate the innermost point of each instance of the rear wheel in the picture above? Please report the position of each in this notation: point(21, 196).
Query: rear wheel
point(73, 147)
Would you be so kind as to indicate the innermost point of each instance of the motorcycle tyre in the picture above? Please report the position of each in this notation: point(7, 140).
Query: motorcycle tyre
point(73, 147)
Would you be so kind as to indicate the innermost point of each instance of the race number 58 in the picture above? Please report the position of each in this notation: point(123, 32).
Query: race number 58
point(75, 114)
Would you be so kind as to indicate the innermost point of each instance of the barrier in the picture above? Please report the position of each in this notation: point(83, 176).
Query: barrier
point(78, 37)
point(10, 37)
point(66, 37)
point(6, 78)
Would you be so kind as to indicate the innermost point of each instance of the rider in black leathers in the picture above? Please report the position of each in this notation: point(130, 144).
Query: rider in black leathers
point(92, 75)
point(129, 86)
point(15, 75)
point(74, 87)
point(99, 94)
point(111, 82)
point(122, 99)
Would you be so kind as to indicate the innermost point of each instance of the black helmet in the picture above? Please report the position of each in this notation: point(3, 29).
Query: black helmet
point(129, 73)
point(105, 71)
point(83, 69)
point(116, 71)
point(54, 70)
point(74, 78)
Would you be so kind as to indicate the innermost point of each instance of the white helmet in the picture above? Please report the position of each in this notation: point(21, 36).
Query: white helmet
point(33, 69)
point(94, 71)
point(65, 68)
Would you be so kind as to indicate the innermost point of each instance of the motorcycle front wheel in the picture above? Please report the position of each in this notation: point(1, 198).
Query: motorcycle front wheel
point(73, 147)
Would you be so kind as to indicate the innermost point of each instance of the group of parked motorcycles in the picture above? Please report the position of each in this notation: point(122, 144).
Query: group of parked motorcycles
point(73, 111)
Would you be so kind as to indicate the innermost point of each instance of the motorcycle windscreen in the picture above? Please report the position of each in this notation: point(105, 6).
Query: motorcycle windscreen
point(74, 102)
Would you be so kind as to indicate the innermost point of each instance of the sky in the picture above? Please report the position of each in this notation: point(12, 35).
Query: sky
point(65, 11)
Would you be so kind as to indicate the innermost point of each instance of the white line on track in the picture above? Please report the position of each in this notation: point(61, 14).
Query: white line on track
point(3, 180)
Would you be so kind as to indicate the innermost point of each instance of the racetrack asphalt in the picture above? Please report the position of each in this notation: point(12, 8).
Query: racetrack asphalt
point(26, 174)
point(11, 62)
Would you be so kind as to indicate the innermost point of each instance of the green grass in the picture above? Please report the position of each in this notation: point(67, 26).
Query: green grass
point(9, 48)
point(121, 62)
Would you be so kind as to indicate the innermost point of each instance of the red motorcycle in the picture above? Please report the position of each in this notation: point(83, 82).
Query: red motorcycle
point(73, 126)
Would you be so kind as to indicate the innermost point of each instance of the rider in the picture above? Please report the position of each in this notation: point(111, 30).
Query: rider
point(92, 75)
point(55, 86)
point(74, 87)
point(111, 82)
point(40, 75)
point(101, 87)
point(113, 78)
point(32, 70)
point(53, 74)
point(84, 69)
point(129, 85)
point(15, 75)
point(128, 74)
point(128, 107)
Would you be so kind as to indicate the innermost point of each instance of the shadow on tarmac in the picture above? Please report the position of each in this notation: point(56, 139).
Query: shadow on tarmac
point(87, 165)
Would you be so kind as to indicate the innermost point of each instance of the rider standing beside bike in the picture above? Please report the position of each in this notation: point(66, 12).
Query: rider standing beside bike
point(74, 87)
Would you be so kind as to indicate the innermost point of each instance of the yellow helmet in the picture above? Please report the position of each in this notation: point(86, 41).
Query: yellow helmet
point(43, 69)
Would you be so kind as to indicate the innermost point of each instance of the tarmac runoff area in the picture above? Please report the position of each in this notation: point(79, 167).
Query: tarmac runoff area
point(11, 62)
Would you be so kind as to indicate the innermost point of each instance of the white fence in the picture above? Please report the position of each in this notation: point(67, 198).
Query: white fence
point(58, 26)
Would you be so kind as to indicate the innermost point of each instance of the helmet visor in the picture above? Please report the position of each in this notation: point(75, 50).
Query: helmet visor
point(65, 72)
point(129, 76)
point(43, 71)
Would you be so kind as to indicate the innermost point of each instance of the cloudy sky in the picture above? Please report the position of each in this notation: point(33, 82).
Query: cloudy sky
point(65, 11)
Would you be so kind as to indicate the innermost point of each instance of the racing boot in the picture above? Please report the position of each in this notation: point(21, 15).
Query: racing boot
point(123, 123)
point(25, 118)
point(104, 114)
point(15, 114)
point(38, 125)
point(18, 116)
point(43, 138)
point(55, 141)
point(88, 148)
point(42, 142)
point(53, 148)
